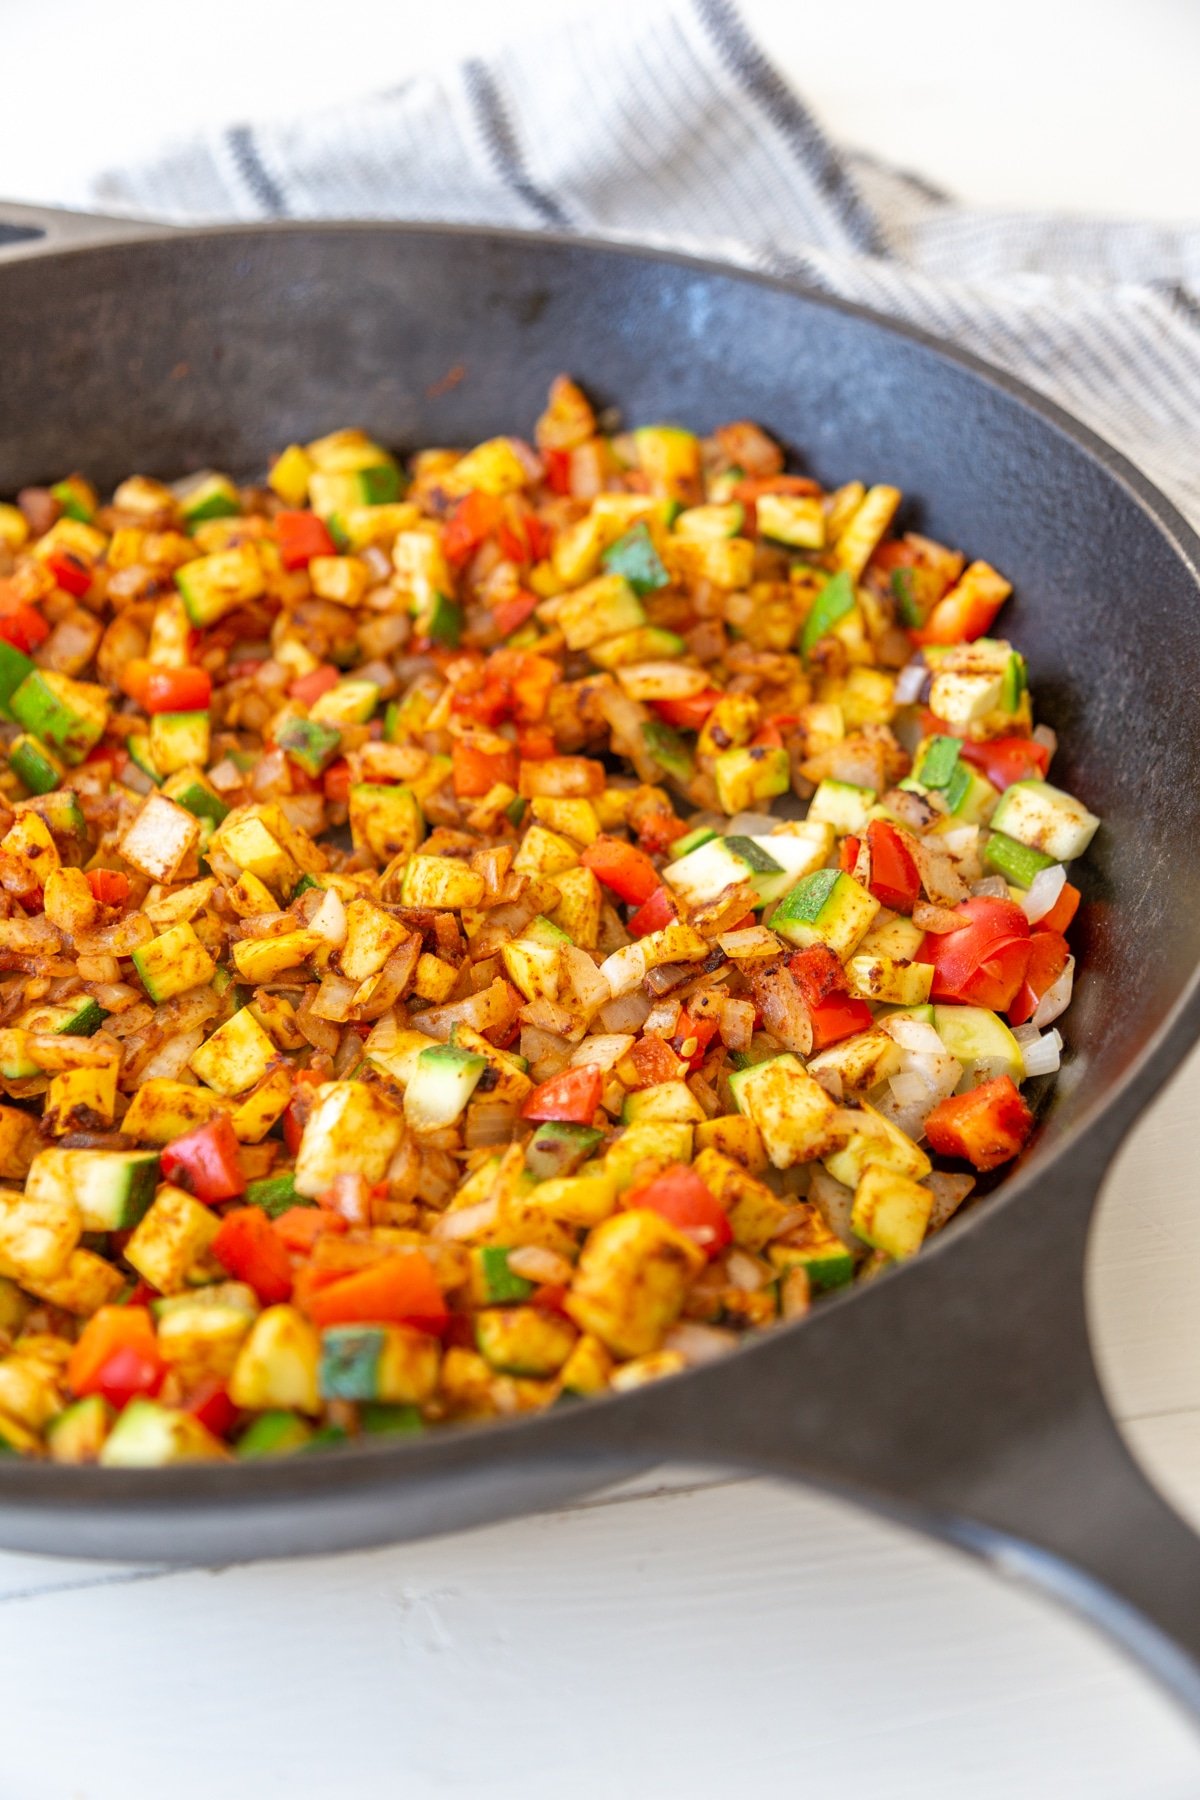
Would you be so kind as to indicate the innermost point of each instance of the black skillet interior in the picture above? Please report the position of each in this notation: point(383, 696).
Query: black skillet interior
point(187, 350)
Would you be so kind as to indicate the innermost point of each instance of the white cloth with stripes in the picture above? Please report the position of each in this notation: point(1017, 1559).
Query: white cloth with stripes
point(663, 121)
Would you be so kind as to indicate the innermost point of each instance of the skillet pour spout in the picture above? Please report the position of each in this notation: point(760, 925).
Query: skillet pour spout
point(959, 1393)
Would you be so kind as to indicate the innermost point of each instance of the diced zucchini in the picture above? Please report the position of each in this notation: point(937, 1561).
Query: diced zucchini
point(67, 715)
point(208, 496)
point(493, 1283)
point(862, 1061)
point(191, 789)
point(162, 1109)
point(601, 609)
point(173, 963)
point(110, 1189)
point(815, 1248)
point(212, 586)
point(349, 703)
point(441, 881)
point(635, 557)
point(981, 1042)
point(274, 1433)
point(631, 647)
point(149, 1436)
point(77, 1435)
point(792, 1111)
point(874, 1139)
point(832, 604)
point(237, 1055)
point(1016, 862)
point(559, 1149)
point(825, 908)
point(33, 764)
point(891, 1212)
point(644, 1149)
point(378, 1362)
point(840, 804)
point(442, 1082)
point(670, 1100)
point(309, 744)
point(795, 519)
point(379, 1418)
point(1044, 818)
point(14, 667)
point(669, 750)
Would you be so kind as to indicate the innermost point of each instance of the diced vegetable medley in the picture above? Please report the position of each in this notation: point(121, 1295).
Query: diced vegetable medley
point(415, 1006)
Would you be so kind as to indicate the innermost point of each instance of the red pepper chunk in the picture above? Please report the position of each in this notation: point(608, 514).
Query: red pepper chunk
point(509, 615)
point(477, 771)
point(178, 690)
point(848, 851)
point(984, 964)
point(680, 1197)
point(894, 878)
point(1009, 759)
point(210, 1403)
point(301, 536)
point(24, 629)
point(836, 1017)
point(400, 1290)
point(986, 1127)
point(108, 886)
point(1063, 910)
point(959, 618)
point(819, 972)
point(69, 572)
point(247, 1245)
point(335, 782)
point(567, 1099)
point(1048, 955)
point(658, 910)
point(205, 1161)
point(623, 868)
point(300, 1226)
point(689, 714)
point(475, 518)
point(309, 688)
point(116, 1355)
point(698, 1033)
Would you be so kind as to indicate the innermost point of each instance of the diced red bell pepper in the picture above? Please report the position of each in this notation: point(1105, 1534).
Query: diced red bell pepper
point(836, 1017)
point(116, 1355)
point(848, 854)
point(692, 1038)
point(623, 868)
point(309, 688)
point(133, 678)
point(986, 1127)
point(658, 910)
point(108, 886)
point(819, 972)
point(210, 1403)
point(475, 518)
point(1008, 759)
point(1048, 954)
point(476, 771)
point(557, 464)
point(205, 1161)
point(335, 782)
point(984, 964)
point(528, 679)
point(895, 881)
point(657, 831)
point(1063, 910)
point(400, 1290)
point(550, 1297)
point(509, 615)
point(958, 619)
point(689, 714)
point(69, 572)
point(24, 628)
point(570, 1098)
point(247, 1245)
point(301, 536)
point(300, 1226)
point(178, 690)
point(680, 1197)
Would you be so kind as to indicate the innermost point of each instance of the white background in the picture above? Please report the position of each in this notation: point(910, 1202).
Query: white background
point(715, 1638)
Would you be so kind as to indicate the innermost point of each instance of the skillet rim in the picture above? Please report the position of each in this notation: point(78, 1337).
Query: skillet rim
point(373, 1463)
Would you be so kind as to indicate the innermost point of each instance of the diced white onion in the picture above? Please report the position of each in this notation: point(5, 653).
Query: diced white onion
point(604, 1051)
point(914, 1034)
point(910, 683)
point(992, 887)
point(751, 824)
point(1045, 734)
point(1044, 890)
point(699, 1343)
point(628, 1013)
point(467, 1221)
point(1026, 1034)
point(908, 1089)
point(1044, 1055)
point(745, 1272)
point(1056, 999)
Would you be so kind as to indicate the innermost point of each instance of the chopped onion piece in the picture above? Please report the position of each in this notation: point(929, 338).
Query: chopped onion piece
point(746, 1272)
point(908, 1089)
point(1044, 890)
point(538, 1264)
point(1056, 999)
point(751, 824)
point(1042, 1056)
point(695, 1343)
point(1045, 734)
point(627, 1013)
point(914, 1034)
point(992, 887)
point(466, 1222)
point(604, 1051)
point(910, 683)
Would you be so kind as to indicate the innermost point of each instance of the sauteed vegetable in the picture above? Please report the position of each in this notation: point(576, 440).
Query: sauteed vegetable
point(493, 930)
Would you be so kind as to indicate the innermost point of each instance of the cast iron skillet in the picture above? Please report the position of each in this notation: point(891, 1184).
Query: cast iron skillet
point(958, 1394)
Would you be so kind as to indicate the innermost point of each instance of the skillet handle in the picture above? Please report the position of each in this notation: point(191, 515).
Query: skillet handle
point(29, 230)
point(961, 1397)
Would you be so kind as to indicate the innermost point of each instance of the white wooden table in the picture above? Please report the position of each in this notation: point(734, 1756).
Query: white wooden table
point(683, 1637)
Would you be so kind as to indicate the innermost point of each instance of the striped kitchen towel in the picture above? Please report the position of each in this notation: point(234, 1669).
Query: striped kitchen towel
point(665, 122)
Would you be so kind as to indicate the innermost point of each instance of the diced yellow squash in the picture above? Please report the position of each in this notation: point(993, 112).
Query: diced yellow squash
point(491, 468)
point(578, 909)
point(543, 852)
point(39, 1229)
point(29, 1393)
point(289, 475)
point(755, 1213)
point(859, 535)
point(278, 1363)
point(588, 1369)
point(523, 1340)
point(582, 1200)
point(600, 609)
point(748, 778)
point(571, 818)
point(434, 979)
point(631, 1281)
point(351, 1129)
point(262, 1107)
point(243, 843)
point(441, 881)
point(890, 980)
point(792, 1111)
point(83, 1099)
point(69, 902)
point(735, 1137)
point(19, 1143)
point(862, 1061)
point(263, 959)
point(171, 1239)
point(237, 1055)
point(28, 853)
point(371, 937)
point(891, 1211)
point(201, 1336)
point(870, 1138)
point(87, 1283)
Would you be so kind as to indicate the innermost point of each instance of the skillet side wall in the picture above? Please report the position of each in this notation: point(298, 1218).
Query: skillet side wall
point(216, 349)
